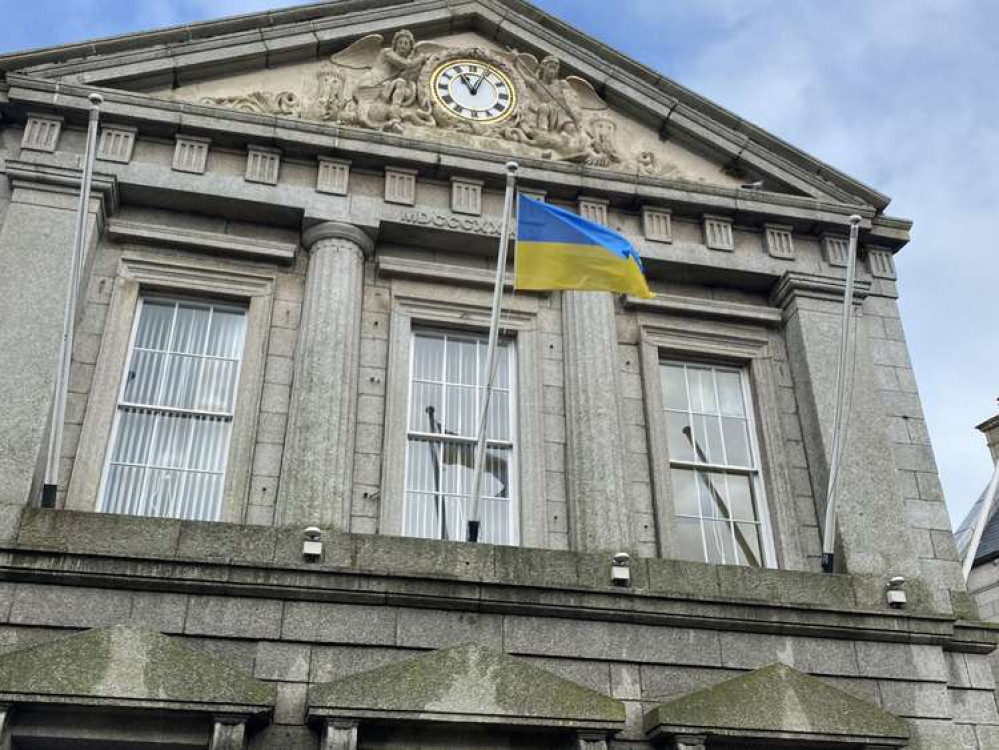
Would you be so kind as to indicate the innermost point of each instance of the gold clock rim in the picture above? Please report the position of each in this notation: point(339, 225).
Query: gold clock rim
point(499, 72)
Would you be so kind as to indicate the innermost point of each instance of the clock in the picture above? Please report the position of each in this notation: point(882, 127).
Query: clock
point(474, 91)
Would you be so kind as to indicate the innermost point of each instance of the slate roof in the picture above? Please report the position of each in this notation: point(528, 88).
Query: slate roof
point(988, 548)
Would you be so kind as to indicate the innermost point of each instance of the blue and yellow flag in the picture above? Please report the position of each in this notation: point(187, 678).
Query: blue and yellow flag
point(557, 249)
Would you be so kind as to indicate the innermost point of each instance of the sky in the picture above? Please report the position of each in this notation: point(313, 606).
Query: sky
point(897, 93)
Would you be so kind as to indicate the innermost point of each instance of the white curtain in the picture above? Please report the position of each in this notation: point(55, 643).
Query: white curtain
point(175, 412)
point(448, 381)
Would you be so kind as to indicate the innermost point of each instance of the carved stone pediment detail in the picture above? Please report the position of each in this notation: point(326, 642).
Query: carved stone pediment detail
point(389, 87)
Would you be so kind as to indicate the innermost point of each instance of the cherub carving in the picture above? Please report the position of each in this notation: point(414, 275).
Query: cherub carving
point(388, 81)
point(554, 117)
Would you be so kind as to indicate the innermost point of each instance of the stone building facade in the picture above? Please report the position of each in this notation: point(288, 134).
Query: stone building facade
point(291, 232)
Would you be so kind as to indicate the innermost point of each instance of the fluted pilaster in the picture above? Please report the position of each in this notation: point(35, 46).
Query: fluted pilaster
point(594, 453)
point(319, 445)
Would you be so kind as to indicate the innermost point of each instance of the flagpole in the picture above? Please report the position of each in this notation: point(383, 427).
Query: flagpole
point(475, 503)
point(841, 416)
point(58, 413)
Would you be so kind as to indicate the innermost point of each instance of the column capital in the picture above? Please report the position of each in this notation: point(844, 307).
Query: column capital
point(336, 230)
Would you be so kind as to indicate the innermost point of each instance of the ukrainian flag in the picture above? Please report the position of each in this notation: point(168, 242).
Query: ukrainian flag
point(557, 249)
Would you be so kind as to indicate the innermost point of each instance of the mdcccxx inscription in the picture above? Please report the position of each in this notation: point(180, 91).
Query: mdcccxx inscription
point(470, 224)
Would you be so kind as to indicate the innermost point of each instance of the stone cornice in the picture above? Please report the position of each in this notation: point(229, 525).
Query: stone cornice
point(306, 138)
point(794, 284)
point(63, 180)
point(190, 239)
point(707, 308)
point(256, 41)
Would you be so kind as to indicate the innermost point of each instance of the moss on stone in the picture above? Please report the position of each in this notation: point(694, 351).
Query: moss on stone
point(469, 681)
point(778, 699)
point(132, 662)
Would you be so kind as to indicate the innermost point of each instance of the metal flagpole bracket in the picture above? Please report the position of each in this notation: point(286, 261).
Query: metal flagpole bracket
point(475, 502)
point(58, 414)
point(841, 416)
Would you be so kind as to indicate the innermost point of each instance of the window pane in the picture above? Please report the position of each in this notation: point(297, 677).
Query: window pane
point(684, 485)
point(226, 336)
point(713, 493)
point(460, 411)
point(730, 393)
point(674, 388)
point(747, 538)
point(708, 440)
point(155, 321)
point(190, 330)
point(679, 436)
point(461, 361)
point(736, 437)
point(719, 547)
point(428, 358)
point(499, 417)
point(702, 390)
point(740, 498)
point(425, 410)
point(688, 538)
point(142, 379)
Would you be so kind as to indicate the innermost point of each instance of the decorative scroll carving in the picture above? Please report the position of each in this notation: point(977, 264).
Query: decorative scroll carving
point(388, 88)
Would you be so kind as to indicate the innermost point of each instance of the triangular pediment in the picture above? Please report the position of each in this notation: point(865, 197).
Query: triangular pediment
point(467, 684)
point(777, 702)
point(128, 665)
point(337, 64)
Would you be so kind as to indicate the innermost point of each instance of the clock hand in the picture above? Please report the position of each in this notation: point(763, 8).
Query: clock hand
point(477, 84)
point(468, 85)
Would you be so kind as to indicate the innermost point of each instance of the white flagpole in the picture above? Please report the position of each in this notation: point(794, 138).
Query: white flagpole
point(69, 312)
point(475, 503)
point(987, 504)
point(841, 418)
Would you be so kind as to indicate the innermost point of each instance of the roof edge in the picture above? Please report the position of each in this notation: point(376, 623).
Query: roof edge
point(267, 19)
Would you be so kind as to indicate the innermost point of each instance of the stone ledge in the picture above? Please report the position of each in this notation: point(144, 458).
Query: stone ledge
point(101, 550)
point(206, 242)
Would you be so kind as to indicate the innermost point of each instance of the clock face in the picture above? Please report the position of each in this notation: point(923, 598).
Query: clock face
point(474, 91)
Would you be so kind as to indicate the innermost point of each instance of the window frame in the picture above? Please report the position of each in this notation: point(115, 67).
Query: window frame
point(122, 405)
point(146, 272)
point(751, 346)
point(418, 306)
point(513, 443)
point(754, 472)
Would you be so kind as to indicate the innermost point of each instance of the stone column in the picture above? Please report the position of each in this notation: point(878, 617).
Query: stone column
point(229, 733)
point(689, 742)
point(319, 444)
point(340, 734)
point(872, 533)
point(594, 468)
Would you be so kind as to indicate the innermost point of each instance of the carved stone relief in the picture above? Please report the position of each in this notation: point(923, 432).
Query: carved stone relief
point(390, 86)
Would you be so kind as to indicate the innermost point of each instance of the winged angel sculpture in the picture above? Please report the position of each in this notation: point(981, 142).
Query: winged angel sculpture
point(386, 88)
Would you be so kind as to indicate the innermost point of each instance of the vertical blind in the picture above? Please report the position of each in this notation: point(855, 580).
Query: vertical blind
point(447, 383)
point(175, 411)
point(714, 474)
